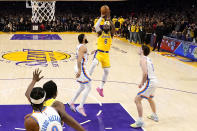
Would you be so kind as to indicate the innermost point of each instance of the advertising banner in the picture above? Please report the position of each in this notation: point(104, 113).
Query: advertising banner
point(180, 47)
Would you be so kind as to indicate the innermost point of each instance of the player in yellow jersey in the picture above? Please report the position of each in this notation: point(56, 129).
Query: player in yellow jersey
point(114, 20)
point(137, 35)
point(104, 41)
point(51, 93)
point(121, 20)
point(132, 32)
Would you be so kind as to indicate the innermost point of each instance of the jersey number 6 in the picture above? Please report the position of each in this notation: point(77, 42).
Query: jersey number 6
point(105, 41)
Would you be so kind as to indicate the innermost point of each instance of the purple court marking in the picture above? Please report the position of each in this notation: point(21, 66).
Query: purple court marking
point(36, 37)
point(113, 116)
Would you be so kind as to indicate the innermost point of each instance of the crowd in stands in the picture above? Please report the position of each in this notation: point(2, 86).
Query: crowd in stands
point(136, 26)
point(62, 23)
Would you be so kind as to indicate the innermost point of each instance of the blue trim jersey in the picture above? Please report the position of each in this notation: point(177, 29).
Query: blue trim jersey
point(84, 77)
point(148, 89)
point(48, 119)
point(151, 71)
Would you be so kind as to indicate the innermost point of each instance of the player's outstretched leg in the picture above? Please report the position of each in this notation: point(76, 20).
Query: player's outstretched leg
point(104, 79)
point(80, 108)
point(71, 103)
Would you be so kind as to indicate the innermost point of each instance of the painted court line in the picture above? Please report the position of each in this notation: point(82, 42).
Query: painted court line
point(120, 82)
point(85, 122)
point(21, 129)
point(108, 128)
point(98, 114)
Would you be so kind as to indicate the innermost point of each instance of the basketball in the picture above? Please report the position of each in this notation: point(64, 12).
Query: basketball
point(105, 10)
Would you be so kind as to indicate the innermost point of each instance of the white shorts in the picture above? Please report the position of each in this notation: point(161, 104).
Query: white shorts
point(84, 78)
point(148, 89)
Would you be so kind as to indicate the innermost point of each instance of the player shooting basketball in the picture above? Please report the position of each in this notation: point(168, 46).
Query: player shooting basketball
point(104, 41)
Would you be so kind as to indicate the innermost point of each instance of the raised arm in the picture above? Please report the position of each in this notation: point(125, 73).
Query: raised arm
point(97, 25)
point(36, 78)
point(60, 108)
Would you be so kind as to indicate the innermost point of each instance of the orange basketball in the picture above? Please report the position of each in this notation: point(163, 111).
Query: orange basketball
point(105, 10)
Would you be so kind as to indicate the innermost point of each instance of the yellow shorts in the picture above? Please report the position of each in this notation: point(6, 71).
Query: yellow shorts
point(103, 58)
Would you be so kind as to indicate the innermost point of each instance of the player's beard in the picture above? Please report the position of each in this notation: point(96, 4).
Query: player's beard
point(86, 41)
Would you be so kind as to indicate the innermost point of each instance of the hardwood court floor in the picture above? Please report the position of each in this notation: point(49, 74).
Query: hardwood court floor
point(175, 96)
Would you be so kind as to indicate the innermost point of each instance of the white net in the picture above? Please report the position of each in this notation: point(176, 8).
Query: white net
point(42, 11)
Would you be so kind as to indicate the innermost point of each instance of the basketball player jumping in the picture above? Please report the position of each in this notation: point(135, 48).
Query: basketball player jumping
point(104, 41)
point(50, 99)
point(147, 87)
point(82, 75)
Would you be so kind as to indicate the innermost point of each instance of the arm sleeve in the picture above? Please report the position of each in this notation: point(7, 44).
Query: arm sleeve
point(97, 25)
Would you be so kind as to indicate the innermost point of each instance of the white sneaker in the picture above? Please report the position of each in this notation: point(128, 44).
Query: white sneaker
point(81, 111)
point(137, 124)
point(72, 107)
point(153, 117)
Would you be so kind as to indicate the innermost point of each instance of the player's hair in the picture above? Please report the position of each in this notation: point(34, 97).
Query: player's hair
point(81, 37)
point(50, 88)
point(146, 50)
point(37, 93)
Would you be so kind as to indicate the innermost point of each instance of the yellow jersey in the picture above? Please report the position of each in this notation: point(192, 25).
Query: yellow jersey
point(121, 20)
point(137, 29)
point(114, 20)
point(133, 28)
point(95, 21)
point(103, 21)
point(49, 102)
point(104, 41)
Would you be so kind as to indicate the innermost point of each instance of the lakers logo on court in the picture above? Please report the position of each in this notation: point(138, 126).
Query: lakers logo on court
point(30, 57)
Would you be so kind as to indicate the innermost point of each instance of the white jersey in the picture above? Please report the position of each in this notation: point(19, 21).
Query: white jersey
point(48, 119)
point(150, 68)
point(148, 89)
point(85, 57)
point(84, 77)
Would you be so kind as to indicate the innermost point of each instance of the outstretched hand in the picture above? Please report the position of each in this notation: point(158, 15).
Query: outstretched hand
point(36, 75)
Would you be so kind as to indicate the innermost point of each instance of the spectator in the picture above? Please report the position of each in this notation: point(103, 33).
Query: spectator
point(159, 35)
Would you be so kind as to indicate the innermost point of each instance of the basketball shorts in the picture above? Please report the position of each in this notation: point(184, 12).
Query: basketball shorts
point(84, 78)
point(103, 58)
point(147, 90)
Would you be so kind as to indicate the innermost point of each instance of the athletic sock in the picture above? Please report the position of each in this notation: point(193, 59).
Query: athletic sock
point(102, 84)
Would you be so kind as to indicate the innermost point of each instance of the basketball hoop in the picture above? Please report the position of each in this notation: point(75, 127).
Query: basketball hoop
point(42, 10)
